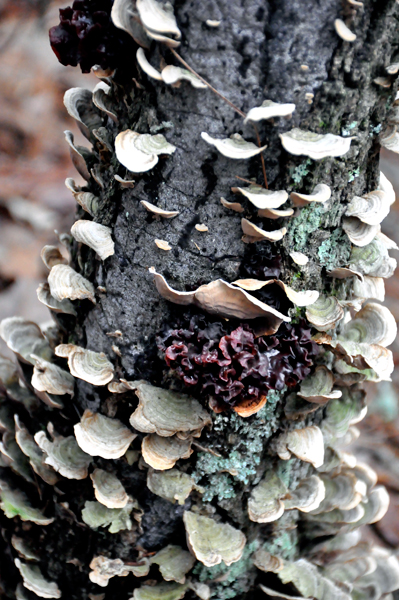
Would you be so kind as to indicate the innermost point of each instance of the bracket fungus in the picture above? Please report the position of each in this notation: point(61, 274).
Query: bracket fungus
point(44, 296)
point(299, 258)
point(159, 212)
point(166, 413)
point(50, 378)
point(369, 288)
point(315, 145)
point(262, 198)
point(79, 155)
point(343, 31)
point(146, 66)
point(96, 236)
point(79, 104)
point(163, 245)
point(174, 563)
point(102, 101)
point(372, 208)
point(359, 233)
point(172, 485)
point(51, 256)
point(65, 282)
point(273, 213)
point(212, 542)
point(306, 444)
point(101, 436)
point(221, 298)
point(95, 515)
point(104, 568)
point(373, 260)
point(34, 581)
point(325, 313)
point(373, 324)
point(25, 338)
point(139, 152)
point(64, 455)
point(253, 233)
point(23, 549)
point(318, 387)
point(362, 355)
point(93, 367)
point(321, 193)
point(235, 206)
point(304, 298)
point(159, 21)
point(15, 503)
point(269, 110)
point(162, 453)
point(30, 448)
point(233, 147)
point(265, 504)
point(172, 75)
point(267, 562)
point(108, 490)
point(307, 496)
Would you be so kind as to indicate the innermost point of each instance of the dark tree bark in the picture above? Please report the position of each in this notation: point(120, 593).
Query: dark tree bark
point(287, 51)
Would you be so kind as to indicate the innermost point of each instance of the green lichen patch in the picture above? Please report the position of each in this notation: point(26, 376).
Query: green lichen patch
point(299, 172)
point(219, 474)
point(283, 544)
point(302, 226)
point(335, 251)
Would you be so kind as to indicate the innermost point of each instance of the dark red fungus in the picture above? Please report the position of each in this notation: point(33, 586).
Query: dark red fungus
point(230, 366)
point(86, 36)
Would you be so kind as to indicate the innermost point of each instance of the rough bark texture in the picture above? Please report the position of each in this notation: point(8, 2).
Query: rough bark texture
point(258, 52)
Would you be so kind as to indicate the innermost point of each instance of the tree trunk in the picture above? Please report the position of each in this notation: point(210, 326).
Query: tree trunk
point(287, 51)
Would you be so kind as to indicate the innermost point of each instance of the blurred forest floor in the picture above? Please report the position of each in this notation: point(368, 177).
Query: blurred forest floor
point(34, 162)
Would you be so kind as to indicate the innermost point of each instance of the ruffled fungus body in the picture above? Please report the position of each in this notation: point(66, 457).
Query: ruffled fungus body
point(86, 36)
point(230, 365)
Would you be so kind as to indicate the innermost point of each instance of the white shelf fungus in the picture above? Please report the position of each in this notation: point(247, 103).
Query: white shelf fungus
point(162, 453)
point(269, 110)
point(96, 236)
point(93, 367)
point(166, 412)
point(222, 298)
point(315, 145)
point(307, 444)
point(233, 147)
point(101, 436)
point(139, 152)
point(212, 542)
point(65, 282)
point(25, 338)
point(321, 193)
point(262, 198)
point(172, 485)
point(343, 31)
point(108, 490)
point(159, 21)
point(172, 75)
point(64, 455)
point(34, 581)
point(51, 378)
point(253, 233)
